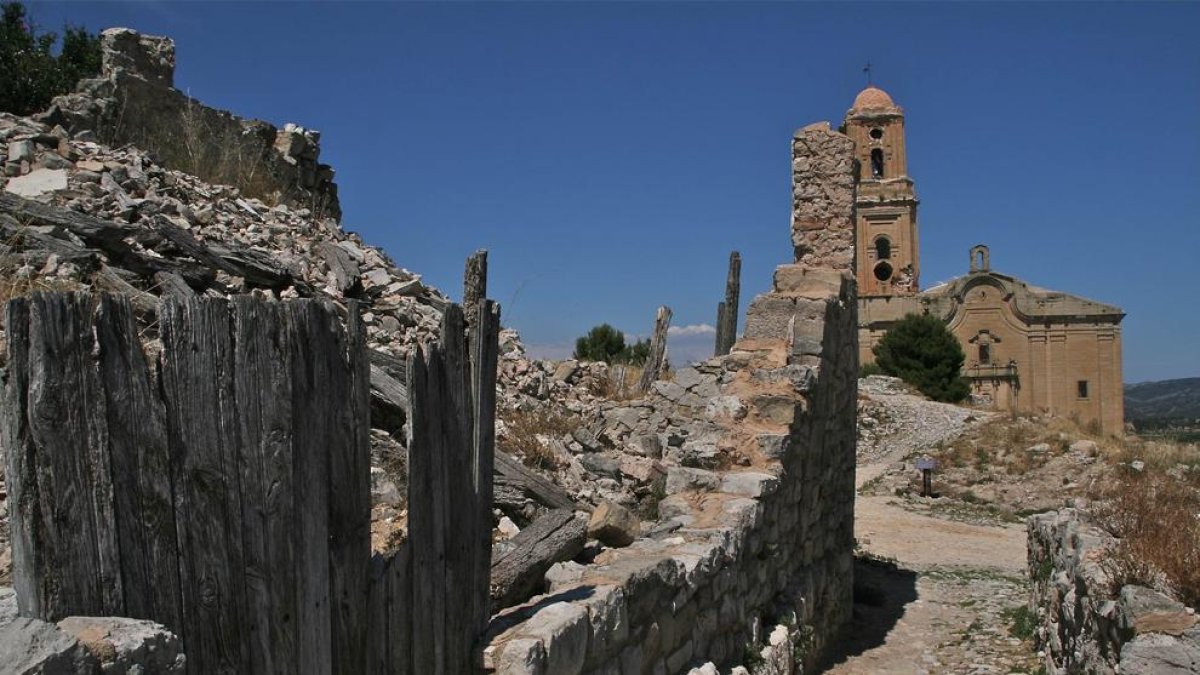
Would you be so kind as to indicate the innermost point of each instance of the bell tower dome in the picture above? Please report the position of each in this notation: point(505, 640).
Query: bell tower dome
point(887, 258)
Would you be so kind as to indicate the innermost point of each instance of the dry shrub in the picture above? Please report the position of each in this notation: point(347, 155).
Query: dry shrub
point(524, 430)
point(1157, 518)
point(619, 384)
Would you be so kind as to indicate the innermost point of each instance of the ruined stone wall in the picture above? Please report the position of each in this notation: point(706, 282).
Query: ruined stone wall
point(1083, 627)
point(754, 533)
point(823, 191)
point(134, 101)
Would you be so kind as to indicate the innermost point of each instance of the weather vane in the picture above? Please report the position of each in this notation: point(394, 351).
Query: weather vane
point(867, 70)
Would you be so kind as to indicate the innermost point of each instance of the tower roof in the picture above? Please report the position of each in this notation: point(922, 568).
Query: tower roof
point(873, 98)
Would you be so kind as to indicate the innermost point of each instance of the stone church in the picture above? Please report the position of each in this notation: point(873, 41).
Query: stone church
point(1028, 349)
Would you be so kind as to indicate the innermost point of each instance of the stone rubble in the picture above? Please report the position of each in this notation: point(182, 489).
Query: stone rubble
point(1082, 628)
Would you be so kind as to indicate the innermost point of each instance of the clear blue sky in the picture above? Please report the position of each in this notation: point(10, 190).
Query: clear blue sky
point(610, 155)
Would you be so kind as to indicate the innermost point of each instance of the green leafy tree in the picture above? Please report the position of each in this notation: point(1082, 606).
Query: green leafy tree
point(607, 344)
point(636, 353)
point(602, 343)
point(30, 73)
point(920, 350)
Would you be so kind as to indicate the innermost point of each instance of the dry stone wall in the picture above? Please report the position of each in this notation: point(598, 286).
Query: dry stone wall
point(134, 101)
point(749, 558)
point(1083, 627)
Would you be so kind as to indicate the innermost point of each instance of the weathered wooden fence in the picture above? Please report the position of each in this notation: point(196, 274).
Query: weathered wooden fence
point(225, 493)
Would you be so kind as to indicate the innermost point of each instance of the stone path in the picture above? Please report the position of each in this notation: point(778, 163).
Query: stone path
point(933, 596)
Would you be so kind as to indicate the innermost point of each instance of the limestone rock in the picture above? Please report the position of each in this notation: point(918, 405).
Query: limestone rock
point(38, 182)
point(130, 646)
point(614, 525)
point(34, 647)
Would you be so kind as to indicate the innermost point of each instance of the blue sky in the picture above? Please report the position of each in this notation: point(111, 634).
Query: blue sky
point(610, 155)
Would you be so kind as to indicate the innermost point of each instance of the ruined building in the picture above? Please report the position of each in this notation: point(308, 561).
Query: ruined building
point(1027, 349)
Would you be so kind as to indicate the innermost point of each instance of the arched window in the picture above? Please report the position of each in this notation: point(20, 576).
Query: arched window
point(877, 163)
point(883, 248)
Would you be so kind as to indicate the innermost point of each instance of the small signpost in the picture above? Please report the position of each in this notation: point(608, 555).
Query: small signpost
point(926, 465)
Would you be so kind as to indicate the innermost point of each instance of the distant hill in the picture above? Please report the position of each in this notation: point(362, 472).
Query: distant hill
point(1166, 400)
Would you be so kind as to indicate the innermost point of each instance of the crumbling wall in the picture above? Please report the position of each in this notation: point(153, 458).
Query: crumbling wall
point(134, 101)
point(755, 524)
point(823, 190)
point(1083, 628)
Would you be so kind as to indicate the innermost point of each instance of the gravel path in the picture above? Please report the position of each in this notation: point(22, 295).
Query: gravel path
point(931, 595)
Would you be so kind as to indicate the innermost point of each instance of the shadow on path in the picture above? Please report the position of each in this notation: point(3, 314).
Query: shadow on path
point(882, 590)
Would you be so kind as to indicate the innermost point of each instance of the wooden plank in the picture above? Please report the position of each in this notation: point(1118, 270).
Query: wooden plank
point(400, 614)
point(197, 365)
point(458, 495)
point(511, 473)
point(720, 336)
point(517, 575)
point(484, 346)
point(141, 469)
point(727, 318)
point(658, 350)
point(425, 486)
point(474, 284)
point(171, 284)
point(390, 613)
point(25, 526)
point(315, 358)
point(88, 228)
point(105, 279)
point(263, 390)
point(389, 401)
point(350, 497)
point(68, 453)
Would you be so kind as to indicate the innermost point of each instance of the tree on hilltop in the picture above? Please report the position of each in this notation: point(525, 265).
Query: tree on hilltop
point(32, 73)
point(607, 344)
point(922, 351)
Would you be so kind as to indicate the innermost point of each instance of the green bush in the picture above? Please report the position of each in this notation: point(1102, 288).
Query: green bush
point(605, 343)
point(920, 350)
point(869, 369)
point(32, 74)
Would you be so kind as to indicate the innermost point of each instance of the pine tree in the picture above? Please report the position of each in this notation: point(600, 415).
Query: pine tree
point(920, 350)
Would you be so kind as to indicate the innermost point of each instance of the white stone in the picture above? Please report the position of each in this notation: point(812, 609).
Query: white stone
point(38, 182)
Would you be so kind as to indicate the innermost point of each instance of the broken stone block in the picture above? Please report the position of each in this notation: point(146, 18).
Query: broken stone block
point(38, 182)
point(614, 525)
point(123, 645)
point(34, 647)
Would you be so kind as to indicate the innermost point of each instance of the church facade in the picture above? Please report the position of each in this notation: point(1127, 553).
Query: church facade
point(1028, 349)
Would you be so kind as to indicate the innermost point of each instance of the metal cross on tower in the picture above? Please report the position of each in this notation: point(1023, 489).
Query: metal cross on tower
point(867, 70)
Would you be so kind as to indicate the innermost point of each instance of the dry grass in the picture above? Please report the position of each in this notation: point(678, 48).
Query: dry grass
point(620, 384)
point(1157, 517)
point(527, 433)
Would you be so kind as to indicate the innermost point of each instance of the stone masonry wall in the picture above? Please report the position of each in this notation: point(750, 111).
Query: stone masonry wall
point(823, 190)
point(1085, 629)
point(134, 101)
point(756, 525)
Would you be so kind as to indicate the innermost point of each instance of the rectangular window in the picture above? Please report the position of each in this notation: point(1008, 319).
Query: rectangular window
point(985, 354)
point(1082, 387)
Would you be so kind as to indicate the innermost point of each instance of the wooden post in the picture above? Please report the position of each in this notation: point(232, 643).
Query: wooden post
point(65, 551)
point(658, 350)
point(452, 416)
point(231, 502)
point(484, 343)
point(727, 311)
point(720, 337)
point(474, 284)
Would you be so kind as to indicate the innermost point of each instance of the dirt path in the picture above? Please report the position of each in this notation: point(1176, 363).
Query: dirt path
point(937, 596)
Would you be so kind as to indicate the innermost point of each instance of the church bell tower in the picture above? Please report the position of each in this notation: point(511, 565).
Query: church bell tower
point(887, 258)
